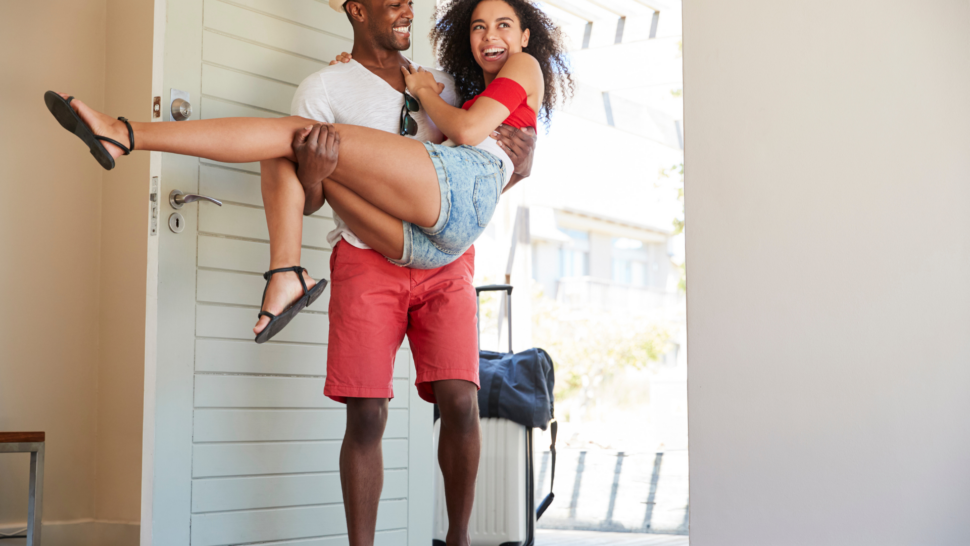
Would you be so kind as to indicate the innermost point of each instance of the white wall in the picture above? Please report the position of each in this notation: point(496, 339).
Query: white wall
point(828, 364)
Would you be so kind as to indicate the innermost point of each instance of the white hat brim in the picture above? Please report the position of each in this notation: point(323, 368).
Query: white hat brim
point(338, 5)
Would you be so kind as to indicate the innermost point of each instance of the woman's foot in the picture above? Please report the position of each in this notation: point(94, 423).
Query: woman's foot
point(102, 125)
point(284, 290)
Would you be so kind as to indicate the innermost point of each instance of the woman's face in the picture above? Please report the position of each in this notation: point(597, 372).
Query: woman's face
point(496, 33)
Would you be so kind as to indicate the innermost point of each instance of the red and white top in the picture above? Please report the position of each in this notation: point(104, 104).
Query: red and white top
point(514, 97)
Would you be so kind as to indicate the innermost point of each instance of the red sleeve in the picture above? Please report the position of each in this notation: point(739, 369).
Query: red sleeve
point(506, 91)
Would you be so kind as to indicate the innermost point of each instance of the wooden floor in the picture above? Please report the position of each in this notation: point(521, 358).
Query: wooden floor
point(550, 537)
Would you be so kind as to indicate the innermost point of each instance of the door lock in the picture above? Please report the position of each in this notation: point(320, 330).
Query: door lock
point(176, 223)
point(180, 107)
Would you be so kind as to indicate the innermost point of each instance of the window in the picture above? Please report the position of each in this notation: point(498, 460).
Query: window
point(630, 262)
point(627, 244)
point(574, 255)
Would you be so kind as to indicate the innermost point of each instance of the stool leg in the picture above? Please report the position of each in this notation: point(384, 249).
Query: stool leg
point(36, 505)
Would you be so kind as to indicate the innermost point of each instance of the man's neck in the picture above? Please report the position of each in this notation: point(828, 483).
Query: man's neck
point(383, 63)
point(369, 54)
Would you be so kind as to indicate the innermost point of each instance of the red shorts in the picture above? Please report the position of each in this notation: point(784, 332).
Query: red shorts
point(374, 303)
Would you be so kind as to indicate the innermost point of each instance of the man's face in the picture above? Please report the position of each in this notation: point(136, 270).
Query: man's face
point(388, 22)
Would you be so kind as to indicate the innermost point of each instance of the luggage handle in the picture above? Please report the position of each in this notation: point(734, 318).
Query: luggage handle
point(507, 288)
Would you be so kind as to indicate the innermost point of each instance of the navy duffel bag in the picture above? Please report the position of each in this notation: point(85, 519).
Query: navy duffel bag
point(517, 387)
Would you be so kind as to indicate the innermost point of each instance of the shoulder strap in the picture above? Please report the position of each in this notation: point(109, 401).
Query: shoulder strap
point(554, 427)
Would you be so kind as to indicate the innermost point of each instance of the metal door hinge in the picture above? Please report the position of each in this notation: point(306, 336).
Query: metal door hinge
point(153, 198)
point(157, 107)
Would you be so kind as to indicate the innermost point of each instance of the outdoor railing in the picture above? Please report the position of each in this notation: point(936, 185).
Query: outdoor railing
point(589, 292)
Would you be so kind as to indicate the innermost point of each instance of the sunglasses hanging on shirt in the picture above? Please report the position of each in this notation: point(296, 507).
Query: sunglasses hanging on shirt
point(409, 127)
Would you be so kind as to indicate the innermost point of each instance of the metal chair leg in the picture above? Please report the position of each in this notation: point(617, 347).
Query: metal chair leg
point(36, 505)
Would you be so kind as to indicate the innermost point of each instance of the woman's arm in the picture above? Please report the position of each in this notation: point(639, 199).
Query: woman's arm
point(472, 126)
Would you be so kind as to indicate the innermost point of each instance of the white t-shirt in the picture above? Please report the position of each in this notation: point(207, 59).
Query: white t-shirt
point(350, 93)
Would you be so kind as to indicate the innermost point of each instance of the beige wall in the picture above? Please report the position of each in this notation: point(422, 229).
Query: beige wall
point(72, 272)
point(828, 378)
point(124, 225)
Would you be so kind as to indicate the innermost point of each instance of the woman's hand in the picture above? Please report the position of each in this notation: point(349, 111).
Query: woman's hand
point(342, 58)
point(420, 80)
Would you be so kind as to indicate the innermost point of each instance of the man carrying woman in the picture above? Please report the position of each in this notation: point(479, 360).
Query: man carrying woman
point(418, 205)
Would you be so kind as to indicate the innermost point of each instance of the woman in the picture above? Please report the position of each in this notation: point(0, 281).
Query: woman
point(444, 195)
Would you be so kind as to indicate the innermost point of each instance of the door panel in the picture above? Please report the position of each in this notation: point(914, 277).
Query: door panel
point(251, 425)
point(252, 459)
point(240, 187)
point(254, 59)
point(261, 525)
point(246, 445)
point(215, 108)
point(250, 223)
point(248, 89)
point(223, 494)
point(298, 38)
point(229, 356)
point(245, 391)
point(250, 256)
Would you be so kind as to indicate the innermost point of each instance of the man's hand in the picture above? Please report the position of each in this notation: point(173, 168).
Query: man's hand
point(520, 144)
point(316, 149)
point(344, 57)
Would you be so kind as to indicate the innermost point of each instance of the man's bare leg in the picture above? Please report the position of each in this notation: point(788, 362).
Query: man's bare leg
point(459, 451)
point(362, 467)
point(283, 198)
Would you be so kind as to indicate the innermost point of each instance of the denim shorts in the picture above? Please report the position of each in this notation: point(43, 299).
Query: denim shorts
point(471, 182)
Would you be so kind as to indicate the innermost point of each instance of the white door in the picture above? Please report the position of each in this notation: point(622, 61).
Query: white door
point(241, 445)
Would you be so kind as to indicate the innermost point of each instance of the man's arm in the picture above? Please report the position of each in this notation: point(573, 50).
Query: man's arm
point(520, 144)
point(310, 101)
point(316, 157)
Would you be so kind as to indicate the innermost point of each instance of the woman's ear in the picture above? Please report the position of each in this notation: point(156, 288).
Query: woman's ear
point(525, 39)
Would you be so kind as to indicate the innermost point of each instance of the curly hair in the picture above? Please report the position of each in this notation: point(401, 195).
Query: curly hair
point(451, 37)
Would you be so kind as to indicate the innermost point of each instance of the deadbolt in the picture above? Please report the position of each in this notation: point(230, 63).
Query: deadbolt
point(181, 110)
point(176, 223)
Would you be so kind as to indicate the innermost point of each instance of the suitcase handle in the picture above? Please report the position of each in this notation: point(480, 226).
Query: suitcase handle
point(507, 288)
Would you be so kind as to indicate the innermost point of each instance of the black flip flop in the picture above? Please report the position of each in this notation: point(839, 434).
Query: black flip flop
point(278, 322)
point(68, 118)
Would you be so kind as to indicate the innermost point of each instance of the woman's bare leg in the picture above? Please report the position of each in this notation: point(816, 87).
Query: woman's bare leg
point(231, 140)
point(376, 228)
point(283, 198)
point(392, 172)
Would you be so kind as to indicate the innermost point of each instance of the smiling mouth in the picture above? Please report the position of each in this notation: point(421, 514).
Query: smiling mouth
point(403, 31)
point(493, 53)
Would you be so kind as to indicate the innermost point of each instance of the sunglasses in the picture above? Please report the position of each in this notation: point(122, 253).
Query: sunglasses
point(409, 127)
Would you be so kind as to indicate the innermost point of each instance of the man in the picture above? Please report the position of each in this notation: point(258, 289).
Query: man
point(374, 303)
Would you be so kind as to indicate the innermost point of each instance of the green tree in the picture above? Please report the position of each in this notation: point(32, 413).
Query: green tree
point(590, 346)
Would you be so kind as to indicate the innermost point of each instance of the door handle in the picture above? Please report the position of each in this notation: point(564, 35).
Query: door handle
point(177, 199)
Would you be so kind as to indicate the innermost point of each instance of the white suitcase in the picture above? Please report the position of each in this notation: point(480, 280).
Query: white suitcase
point(504, 512)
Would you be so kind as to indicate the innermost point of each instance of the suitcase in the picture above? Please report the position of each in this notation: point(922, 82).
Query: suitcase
point(504, 511)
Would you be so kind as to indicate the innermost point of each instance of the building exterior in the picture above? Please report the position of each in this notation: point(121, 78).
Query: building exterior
point(592, 234)
point(594, 225)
